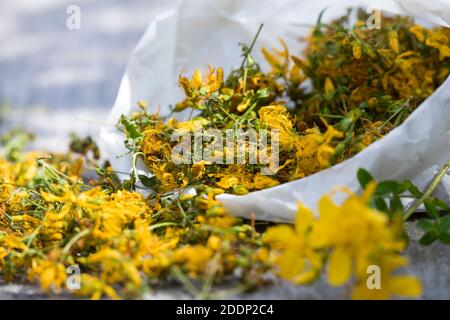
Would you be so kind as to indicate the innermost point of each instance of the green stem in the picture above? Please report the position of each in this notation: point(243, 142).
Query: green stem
point(244, 89)
point(251, 46)
point(162, 224)
point(32, 236)
point(401, 109)
point(55, 171)
point(227, 113)
point(430, 189)
point(188, 285)
point(213, 267)
point(331, 116)
point(72, 241)
point(183, 213)
point(252, 107)
point(134, 170)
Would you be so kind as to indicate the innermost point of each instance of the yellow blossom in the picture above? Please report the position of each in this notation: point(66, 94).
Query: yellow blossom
point(196, 258)
point(353, 230)
point(298, 262)
point(418, 32)
point(390, 285)
point(50, 274)
point(96, 288)
point(357, 50)
point(393, 41)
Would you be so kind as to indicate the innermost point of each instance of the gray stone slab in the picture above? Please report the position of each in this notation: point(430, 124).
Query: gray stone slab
point(430, 264)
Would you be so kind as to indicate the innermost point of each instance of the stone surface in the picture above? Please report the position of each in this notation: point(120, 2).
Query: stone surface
point(431, 264)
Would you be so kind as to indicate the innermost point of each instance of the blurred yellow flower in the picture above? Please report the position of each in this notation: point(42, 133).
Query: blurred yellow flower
point(390, 285)
point(298, 262)
point(352, 231)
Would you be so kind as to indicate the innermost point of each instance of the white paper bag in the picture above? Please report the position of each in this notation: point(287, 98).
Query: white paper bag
point(197, 32)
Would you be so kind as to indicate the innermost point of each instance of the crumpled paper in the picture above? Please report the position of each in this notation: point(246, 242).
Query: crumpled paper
point(197, 32)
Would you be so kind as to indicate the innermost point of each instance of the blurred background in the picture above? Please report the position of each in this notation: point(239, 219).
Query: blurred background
point(55, 80)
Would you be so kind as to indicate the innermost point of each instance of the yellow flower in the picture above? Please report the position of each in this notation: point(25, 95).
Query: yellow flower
point(298, 261)
point(352, 231)
point(329, 86)
point(191, 125)
point(152, 143)
point(54, 223)
point(12, 242)
point(212, 83)
point(357, 50)
point(389, 285)
point(50, 274)
point(95, 288)
point(278, 118)
point(324, 155)
point(116, 268)
point(393, 41)
point(278, 60)
point(244, 105)
point(208, 202)
point(264, 182)
point(194, 257)
point(227, 182)
point(439, 41)
point(214, 242)
point(314, 150)
point(198, 169)
point(418, 32)
point(235, 176)
point(3, 254)
point(27, 222)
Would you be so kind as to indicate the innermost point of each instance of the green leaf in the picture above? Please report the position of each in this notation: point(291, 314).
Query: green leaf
point(413, 189)
point(131, 128)
point(380, 204)
point(129, 184)
point(148, 182)
point(440, 203)
point(405, 186)
point(429, 238)
point(445, 222)
point(396, 204)
point(444, 237)
point(387, 187)
point(13, 143)
point(425, 225)
point(364, 177)
point(431, 209)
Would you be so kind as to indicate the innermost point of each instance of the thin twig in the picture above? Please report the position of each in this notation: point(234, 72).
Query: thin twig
point(430, 189)
point(72, 241)
point(251, 46)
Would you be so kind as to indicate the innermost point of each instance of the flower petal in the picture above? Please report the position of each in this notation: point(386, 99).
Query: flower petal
point(304, 219)
point(279, 235)
point(339, 267)
point(405, 286)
